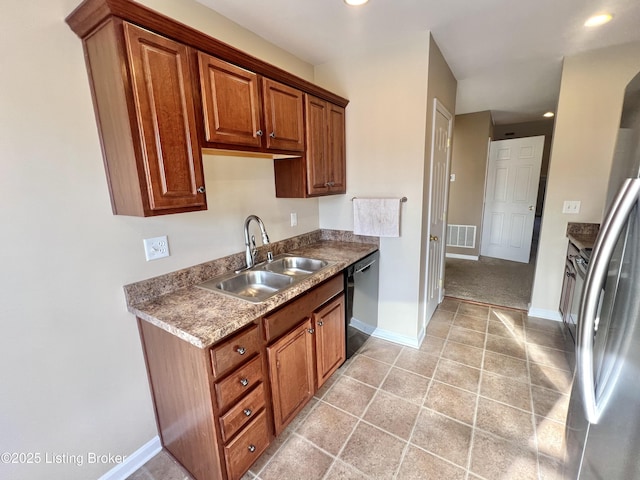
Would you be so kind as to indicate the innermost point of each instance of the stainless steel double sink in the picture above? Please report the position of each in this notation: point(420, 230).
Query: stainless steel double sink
point(265, 279)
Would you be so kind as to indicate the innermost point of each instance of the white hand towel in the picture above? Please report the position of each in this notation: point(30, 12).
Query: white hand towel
point(376, 217)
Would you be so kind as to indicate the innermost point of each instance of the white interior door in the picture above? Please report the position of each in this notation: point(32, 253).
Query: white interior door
point(439, 185)
point(510, 198)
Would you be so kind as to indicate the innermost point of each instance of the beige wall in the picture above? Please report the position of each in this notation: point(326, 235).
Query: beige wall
point(73, 377)
point(469, 164)
point(586, 125)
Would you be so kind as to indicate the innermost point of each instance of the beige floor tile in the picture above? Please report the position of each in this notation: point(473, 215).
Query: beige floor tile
point(406, 385)
point(549, 356)
point(472, 338)
point(550, 340)
point(162, 466)
point(421, 465)
point(302, 415)
point(440, 330)
point(464, 354)
point(533, 323)
point(473, 310)
point(507, 316)
point(457, 375)
point(550, 468)
point(496, 459)
point(373, 451)
point(432, 345)
point(515, 332)
point(350, 395)
point(368, 370)
point(341, 471)
point(268, 454)
point(452, 402)
point(417, 361)
point(449, 304)
point(550, 403)
point(442, 316)
point(506, 346)
point(550, 437)
point(392, 414)
point(380, 350)
point(506, 366)
point(442, 436)
point(504, 421)
point(286, 464)
point(506, 390)
point(322, 391)
point(327, 427)
point(478, 324)
point(549, 377)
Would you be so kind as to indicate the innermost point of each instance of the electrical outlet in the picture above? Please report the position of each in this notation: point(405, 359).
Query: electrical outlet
point(571, 206)
point(155, 248)
point(294, 219)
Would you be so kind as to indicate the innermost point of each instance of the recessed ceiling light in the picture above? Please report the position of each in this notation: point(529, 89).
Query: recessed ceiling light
point(355, 3)
point(548, 114)
point(598, 20)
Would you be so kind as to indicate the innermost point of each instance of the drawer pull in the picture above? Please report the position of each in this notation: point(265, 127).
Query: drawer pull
point(311, 330)
point(241, 350)
point(320, 323)
point(247, 412)
point(244, 382)
point(252, 448)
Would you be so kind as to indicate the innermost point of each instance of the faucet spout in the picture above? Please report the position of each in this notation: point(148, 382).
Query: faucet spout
point(249, 242)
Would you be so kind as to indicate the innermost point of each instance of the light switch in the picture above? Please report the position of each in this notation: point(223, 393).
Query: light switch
point(571, 206)
point(452, 177)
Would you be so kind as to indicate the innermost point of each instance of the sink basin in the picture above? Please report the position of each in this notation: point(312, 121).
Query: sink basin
point(252, 285)
point(295, 266)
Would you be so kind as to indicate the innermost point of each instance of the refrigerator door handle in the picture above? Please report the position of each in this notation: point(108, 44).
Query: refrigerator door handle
point(596, 274)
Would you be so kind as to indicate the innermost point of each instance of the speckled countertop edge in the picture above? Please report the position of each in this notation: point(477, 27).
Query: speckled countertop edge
point(202, 317)
point(583, 235)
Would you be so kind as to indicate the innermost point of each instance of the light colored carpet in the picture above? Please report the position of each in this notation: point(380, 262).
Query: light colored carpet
point(490, 280)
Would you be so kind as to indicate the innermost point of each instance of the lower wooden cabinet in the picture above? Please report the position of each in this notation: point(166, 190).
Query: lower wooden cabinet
point(329, 327)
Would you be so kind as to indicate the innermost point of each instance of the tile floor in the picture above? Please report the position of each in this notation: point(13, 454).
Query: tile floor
point(485, 397)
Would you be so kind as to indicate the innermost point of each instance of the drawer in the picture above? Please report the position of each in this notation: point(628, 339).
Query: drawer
point(239, 383)
point(242, 413)
point(247, 447)
point(232, 352)
point(283, 320)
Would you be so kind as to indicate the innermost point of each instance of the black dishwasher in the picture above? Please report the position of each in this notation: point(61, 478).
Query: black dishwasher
point(361, 305)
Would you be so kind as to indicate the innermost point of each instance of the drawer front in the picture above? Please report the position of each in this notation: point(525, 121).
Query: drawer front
point(242, 413)
point(231, 353)
point(283, 320)
point(247, 447)
point(239, 383)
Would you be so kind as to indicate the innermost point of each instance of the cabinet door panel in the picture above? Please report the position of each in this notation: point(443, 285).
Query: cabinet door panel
point(329, 325)
point(317, 146)
point(284, 123)
point(163, 99)
point(230, 102)
point(292, 374)
point(336, 150)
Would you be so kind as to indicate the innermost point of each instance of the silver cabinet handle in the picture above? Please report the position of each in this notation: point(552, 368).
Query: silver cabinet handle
point(241, 350)
point(252, 448)
point(244, 382)
point(272, 134)
point(247, 412)
point(201, 189)
point(320, 323)
point(259, 133)
point(603, 250)
point(311, 330)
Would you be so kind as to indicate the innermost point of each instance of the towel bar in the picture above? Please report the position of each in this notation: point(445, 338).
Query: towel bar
point(403, 199)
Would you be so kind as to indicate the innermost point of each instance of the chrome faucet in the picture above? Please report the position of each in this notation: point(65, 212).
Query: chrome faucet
point(250, 243)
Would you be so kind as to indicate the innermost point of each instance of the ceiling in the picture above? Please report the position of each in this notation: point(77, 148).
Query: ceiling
point(506, 55)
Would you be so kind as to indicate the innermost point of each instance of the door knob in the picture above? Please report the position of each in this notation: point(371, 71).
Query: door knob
point(433, 238)
point(531, 208)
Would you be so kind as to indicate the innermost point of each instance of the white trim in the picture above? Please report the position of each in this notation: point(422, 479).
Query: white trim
point(362, 326)
point(134, 461)
point(546, 314)
point(397, 338)
point(463, 257)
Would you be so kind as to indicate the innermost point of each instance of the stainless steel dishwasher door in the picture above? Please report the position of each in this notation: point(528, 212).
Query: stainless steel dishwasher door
point(361, 305)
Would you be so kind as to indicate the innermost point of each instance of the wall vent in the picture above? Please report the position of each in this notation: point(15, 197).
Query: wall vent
point(461, 236)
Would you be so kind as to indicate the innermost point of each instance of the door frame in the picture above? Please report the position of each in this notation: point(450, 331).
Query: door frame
point(437, 107)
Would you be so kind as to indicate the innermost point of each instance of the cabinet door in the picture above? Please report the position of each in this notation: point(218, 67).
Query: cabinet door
point(291, 373)
point(317, 153)
point(284, 123)
point(337, 164)
point(329, 324)
point(230, 103)
point(163, 99)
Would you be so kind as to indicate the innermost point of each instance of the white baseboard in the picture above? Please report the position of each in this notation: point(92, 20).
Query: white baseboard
point(134, 461)
point(546, 314)
point(463, 257)
point(362, 326)
point(397, 338)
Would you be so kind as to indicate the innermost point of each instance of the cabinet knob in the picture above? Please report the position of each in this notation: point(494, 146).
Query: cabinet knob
point(320, 323)
point(252, 448)
point(311, 330)
point(272, 134)
point(244, 382)
point(259, 133)
point(247, 412)
point(241, 350)
point(201, 189)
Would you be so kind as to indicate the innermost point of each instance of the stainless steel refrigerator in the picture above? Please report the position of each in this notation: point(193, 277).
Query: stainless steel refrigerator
point(603, 425)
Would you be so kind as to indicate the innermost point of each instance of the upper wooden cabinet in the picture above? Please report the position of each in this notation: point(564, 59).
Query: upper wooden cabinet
point(323, 169)
point(283, 116)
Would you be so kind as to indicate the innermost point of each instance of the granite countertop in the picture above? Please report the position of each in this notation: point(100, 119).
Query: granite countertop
point(203, 317)
point(583, 235)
